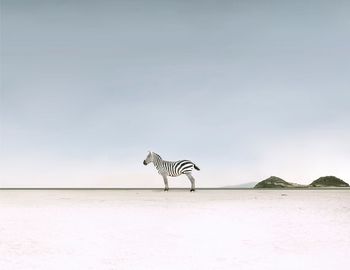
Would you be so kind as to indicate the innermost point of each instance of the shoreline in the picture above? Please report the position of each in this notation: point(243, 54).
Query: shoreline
point(178, 189)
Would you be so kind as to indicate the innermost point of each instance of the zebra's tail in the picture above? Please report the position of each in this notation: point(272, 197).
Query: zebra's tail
point(196, 167)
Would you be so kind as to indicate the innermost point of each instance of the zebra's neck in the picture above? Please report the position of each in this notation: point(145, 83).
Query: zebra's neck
point(157, 160)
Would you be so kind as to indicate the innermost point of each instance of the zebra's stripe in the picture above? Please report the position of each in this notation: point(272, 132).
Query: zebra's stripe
point(172, 168)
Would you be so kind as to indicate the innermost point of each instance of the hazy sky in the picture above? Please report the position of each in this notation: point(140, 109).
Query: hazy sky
point(246, 89)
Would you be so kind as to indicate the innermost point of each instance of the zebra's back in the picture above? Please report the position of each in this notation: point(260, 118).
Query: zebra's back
point(180, 167)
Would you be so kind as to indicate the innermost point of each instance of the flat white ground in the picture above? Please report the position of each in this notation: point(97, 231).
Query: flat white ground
point(234, 229)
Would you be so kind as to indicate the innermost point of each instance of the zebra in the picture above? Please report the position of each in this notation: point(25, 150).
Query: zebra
point(171, 168)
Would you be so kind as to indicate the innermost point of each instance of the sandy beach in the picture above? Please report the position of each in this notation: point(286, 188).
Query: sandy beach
point(145, 229)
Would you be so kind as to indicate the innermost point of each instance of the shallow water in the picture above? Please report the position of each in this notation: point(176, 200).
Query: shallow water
point(145, 229)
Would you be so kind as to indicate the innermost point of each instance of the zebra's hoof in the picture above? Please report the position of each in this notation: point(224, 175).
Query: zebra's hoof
point(166, 189)
point(192, 190)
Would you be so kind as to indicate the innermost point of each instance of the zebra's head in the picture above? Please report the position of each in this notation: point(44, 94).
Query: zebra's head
point(148, 159)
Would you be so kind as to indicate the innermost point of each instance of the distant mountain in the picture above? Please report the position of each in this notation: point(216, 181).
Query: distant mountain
point(329, 181)
point(244, 185)
point(276, 182)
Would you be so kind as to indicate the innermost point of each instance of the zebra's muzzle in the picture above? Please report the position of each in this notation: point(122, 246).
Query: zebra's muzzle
point(144, 162)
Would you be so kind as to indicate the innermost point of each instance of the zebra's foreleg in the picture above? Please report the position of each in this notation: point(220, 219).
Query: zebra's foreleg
point(166, 188)
point(193, 188)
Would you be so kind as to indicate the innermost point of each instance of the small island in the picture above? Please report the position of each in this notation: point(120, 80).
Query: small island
point(329, 181)
point(322, 182)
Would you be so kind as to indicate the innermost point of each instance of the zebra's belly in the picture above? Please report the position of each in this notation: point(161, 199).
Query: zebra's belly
point(169, 174)
point(174, 174)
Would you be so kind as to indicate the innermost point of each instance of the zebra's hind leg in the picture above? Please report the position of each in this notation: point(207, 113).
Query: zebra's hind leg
point(166, 188)
point(193, 188)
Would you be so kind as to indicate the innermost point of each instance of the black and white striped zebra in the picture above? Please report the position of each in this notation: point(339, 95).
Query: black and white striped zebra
point(172, 168)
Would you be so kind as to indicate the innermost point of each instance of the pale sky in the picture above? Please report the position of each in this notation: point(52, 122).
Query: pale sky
point(245, 89)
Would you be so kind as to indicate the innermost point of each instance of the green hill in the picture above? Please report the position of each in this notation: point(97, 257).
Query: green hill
point(276, 182)
point(329, 181)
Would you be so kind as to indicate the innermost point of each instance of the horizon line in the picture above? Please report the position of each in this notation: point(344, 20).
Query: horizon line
point(212, 188)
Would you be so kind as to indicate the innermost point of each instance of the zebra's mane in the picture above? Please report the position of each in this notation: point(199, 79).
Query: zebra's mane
point(158, 156)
